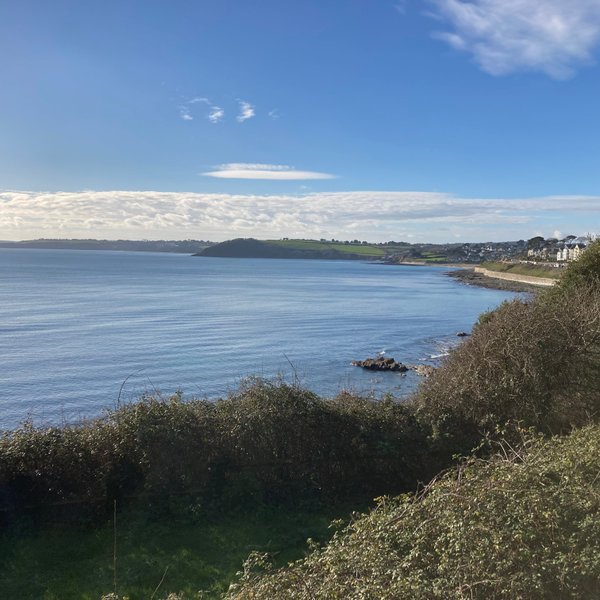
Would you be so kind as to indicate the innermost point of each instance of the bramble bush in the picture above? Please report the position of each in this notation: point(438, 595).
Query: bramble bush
point(523, 524)
point(536, 361)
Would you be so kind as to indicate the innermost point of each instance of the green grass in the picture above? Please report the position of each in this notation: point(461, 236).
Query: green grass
point(434, 257)
point(362, 249)
point(197, 553)
point(523, 269)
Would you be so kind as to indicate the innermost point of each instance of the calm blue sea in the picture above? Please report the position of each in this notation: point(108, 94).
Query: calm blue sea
point(76, 326)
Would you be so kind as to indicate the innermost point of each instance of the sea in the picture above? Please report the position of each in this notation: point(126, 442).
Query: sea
point(82, 332)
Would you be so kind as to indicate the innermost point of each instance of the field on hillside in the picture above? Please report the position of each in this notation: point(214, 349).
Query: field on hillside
point(523, 269)
point(364, 249)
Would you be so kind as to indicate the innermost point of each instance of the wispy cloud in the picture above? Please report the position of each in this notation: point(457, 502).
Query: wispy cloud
point(376, 216)
point(215, 113)
point(262, 171)
point(246, 111)
point(274, 114)
point(506, 36)
point(401, 6)
point(184, 113)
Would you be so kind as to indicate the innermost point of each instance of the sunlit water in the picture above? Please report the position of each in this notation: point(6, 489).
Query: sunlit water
point(78, 328)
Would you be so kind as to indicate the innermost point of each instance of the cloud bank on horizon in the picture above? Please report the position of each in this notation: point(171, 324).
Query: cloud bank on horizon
point(373, 216)
point(506, 36)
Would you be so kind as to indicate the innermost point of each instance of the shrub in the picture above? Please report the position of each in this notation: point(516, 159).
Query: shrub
point(270, 443)
point(583, 271)
point(525, 524)
point(533, 361)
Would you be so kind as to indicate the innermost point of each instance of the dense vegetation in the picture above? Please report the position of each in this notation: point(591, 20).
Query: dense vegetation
point(535, 361)
point(269, 444)
point(523, 525)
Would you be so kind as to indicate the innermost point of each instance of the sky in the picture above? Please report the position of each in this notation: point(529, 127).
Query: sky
point(414, 120)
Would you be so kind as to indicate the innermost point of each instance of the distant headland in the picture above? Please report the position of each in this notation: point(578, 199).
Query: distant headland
point(392, 252)
point(181, 246)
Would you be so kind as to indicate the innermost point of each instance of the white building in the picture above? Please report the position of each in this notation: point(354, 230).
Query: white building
point(572, 249)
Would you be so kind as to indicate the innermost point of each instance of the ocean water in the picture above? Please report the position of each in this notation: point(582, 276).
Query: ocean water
point(81, 330)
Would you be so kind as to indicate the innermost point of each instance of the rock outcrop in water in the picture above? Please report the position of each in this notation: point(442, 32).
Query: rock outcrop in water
point(381, 364)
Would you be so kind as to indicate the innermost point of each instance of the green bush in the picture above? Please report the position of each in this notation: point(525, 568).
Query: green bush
point(583, 271)
point(535, 361)
point(525, 524)
point(268, 444)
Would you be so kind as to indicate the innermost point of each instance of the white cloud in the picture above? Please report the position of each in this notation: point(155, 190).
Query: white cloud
point(262, 171)
point(246, 111)
point(184, 113)
point(274, 114)
point(215, 114)
point(506, 36)
point(376, 216)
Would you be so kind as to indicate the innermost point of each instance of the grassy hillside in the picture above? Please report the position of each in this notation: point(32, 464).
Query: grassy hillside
point(192, 550)
point(367, 250)
point(524, 269)
point(251, 248)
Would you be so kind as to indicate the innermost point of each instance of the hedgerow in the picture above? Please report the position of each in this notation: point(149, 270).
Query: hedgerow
point(269, 443)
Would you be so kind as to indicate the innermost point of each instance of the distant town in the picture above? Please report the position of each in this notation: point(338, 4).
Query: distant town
point(551, 251)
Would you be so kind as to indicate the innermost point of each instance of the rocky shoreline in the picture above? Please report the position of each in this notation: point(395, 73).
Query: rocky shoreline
point(470, 277)
point(389, 364)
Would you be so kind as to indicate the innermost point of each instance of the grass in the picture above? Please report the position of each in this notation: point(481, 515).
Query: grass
point(362, 249)
point(434, 257)
point(197, 553)
point(523, 269)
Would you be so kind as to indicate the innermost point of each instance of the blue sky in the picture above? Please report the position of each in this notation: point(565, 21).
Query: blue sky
point(424, 120)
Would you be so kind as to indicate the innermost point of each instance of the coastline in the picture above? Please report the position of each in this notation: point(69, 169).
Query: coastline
point(479, 277)
point(469, 276)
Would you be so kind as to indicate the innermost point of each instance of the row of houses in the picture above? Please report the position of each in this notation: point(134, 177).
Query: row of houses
point(572, 250)
point(565, 250)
